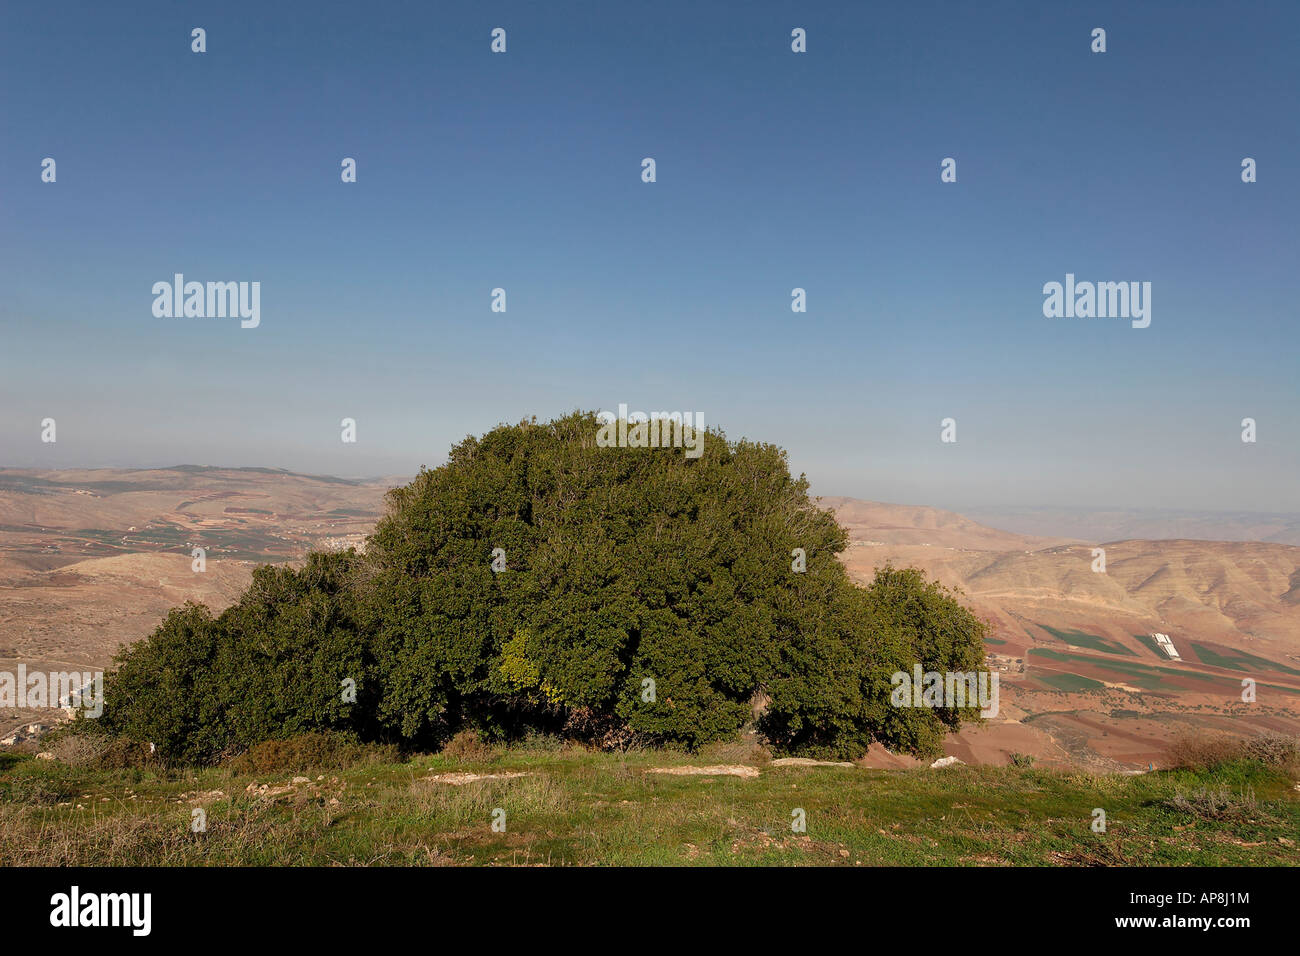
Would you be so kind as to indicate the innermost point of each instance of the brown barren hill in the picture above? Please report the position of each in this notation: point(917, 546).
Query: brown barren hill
point(1074, 649)
point(93, 559)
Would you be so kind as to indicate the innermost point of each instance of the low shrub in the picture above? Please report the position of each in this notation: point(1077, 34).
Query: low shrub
point(1213, 751)
point(467, 746)
point(78, 750)
point(122, 753)
point(1192, 751)
point(1215, 803)
point(1275, 750)
point(309, 751)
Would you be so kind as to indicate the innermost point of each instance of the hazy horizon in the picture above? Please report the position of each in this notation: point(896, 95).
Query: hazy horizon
point(1045, 520)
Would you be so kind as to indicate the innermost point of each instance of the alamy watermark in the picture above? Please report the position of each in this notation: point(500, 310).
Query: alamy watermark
point(1101, 300)
point(129, 910)
point(37, 690)
point(654, 430)
point(950, 689)
point(213, 300)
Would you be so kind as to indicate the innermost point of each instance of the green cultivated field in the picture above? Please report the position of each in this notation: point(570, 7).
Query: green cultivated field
point(1150, 644)
point(1090, 641)
point(1240, 660)
point(1139, 674)
point(1075, 683)
point(581, 808)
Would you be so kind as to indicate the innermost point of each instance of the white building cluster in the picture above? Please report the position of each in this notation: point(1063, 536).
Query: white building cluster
point(1166, 645)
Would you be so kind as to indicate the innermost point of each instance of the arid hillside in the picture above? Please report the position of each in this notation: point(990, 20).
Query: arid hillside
point(91, 560)
point(1122, 525)
point(1083, 678)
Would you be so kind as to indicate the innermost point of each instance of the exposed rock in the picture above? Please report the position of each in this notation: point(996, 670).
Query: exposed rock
point(266, 790)
point(733, 770)
point(459, 779)
point(24, 734)
point(946, 762)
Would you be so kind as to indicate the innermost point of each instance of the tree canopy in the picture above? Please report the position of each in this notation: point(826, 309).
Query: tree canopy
point(539, 581)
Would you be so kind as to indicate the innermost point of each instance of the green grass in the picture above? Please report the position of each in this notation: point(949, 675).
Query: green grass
point(1074, 683)
point(1150, 644)
point(1239, 660)
point(580, 808)
point(1090, 641)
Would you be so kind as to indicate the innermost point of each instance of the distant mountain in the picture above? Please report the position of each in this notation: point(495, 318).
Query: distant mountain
point(1098, 526)
point(918, 524)
point(109, 502)
point(1233, 590)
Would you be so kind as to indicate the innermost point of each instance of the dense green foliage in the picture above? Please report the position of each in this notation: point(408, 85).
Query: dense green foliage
point(622, 566)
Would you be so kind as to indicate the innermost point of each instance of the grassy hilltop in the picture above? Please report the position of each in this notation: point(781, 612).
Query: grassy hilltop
point(299, 805)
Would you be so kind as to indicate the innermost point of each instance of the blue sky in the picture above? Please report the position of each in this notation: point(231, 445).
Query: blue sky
point(775, 170)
